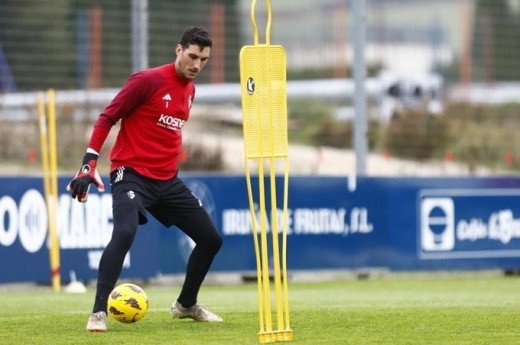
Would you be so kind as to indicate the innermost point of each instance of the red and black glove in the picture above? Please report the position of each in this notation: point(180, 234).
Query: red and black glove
point(80, 184)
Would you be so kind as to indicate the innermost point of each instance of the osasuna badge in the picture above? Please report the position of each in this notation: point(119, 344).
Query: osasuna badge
point(250, 85)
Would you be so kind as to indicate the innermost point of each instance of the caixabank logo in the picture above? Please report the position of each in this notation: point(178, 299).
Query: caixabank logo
point(468, 223)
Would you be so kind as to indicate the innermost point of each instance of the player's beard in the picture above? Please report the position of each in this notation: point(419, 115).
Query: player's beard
point(191, 74)
point(185, 71)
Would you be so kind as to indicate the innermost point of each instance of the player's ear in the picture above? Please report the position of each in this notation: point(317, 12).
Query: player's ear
point(178, 50)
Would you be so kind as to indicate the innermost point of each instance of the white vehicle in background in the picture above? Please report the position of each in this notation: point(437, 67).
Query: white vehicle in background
point(401, 93)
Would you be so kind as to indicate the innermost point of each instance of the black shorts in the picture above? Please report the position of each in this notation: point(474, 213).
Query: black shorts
point(169, 201)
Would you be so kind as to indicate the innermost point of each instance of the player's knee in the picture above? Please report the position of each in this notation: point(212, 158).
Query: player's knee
point(126, 220)
point(211, 241)
point(124, 236)
point(217, 242)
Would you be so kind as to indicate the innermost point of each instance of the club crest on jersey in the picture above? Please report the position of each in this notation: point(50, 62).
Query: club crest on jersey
point(170, 122)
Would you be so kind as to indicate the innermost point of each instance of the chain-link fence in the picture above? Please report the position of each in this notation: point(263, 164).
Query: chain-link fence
point(443, 79)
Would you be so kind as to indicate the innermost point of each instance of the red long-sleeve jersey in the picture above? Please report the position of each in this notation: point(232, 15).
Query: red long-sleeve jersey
point(153, 106)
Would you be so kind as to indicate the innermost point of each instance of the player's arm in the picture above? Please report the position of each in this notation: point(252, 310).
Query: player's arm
point(79, 186)
point(135, 92)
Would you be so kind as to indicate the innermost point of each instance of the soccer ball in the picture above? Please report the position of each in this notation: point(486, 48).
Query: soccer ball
point(127, 303)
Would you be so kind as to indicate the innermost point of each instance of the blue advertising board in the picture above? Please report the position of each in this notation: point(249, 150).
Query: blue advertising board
point(394, 223)
point(458, 223)
point(328, 227)
point(84, 230)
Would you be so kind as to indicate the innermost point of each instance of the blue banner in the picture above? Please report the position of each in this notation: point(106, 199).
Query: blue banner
point(84, 230)
point(394, 223)
point(454, 223)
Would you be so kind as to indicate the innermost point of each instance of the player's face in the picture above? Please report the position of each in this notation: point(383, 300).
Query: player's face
point(191, 60)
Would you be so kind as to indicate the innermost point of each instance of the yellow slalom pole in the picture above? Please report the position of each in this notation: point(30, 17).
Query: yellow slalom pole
point(266, 291)
point(53, 204)
point(285, 226)
point(254, 226)
point(50, 180)
point(276, 249)
point(44, 144)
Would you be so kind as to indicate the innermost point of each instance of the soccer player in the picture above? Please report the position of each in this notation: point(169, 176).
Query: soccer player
point(153, 106)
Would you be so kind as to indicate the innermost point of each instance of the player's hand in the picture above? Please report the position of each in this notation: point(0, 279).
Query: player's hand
point(80, 184)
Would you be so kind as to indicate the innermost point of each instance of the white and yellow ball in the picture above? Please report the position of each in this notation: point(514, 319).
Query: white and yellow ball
point(127, 303)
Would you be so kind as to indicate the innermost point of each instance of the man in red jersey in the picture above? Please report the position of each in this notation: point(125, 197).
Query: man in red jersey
point(153, 106)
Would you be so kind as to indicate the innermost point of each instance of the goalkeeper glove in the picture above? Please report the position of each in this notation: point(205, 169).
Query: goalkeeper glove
point(80, 184)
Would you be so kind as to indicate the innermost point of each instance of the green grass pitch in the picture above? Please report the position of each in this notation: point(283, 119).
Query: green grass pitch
point(401, 309)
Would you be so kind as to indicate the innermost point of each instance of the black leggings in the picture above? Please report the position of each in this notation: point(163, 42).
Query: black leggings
point(196, 224)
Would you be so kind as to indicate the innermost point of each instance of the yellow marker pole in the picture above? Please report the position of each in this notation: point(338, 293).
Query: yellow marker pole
point(53, 210)
point(264, 107)
point(50, 180)
point(44, 144)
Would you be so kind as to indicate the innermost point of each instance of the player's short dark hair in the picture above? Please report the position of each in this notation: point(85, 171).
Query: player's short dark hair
point(195, 35)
